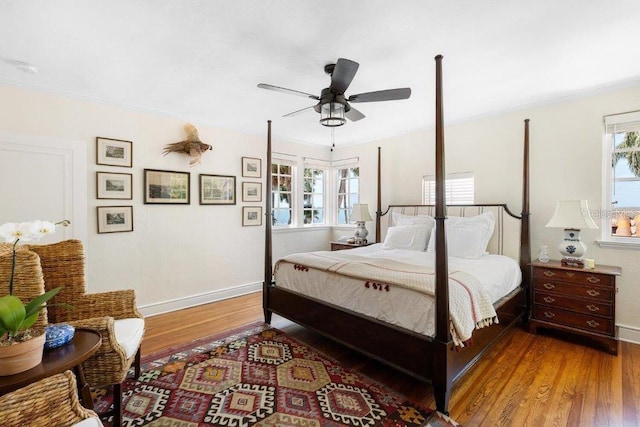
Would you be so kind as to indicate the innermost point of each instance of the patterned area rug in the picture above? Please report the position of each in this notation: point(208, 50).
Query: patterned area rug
point(258, 376)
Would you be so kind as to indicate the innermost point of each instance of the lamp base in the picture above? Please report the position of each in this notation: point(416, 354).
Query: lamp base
point(572, 262)
point(361, 233)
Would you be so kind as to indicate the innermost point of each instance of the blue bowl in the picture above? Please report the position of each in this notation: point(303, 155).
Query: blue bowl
point(58, 335)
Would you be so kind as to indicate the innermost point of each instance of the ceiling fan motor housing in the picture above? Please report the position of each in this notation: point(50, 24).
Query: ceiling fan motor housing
point(332, 108)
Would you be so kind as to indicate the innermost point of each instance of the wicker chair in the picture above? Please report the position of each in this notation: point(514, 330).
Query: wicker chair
point(27, 281)
point(113, 314)
point(52, 401)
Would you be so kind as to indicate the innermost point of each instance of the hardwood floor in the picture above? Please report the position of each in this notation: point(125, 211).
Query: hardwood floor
point(525, 380)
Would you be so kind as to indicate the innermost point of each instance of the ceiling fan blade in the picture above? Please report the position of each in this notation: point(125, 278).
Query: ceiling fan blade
point(295, 113)
point(354, 115)
point(381, 95)
point(289, 91)
point(342, 75)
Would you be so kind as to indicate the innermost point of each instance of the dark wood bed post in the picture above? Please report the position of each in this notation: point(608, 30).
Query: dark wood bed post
point(525, 245)
point(442, 378)
point(268, 256)
point(379, 205)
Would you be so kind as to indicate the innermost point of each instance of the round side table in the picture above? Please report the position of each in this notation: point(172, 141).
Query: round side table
point(84, 344)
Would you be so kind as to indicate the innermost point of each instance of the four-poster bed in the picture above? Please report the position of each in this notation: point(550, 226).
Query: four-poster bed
point(433, 357)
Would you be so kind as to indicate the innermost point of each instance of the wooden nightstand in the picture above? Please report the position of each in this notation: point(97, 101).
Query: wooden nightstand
point(340, 246)
point(577, 300)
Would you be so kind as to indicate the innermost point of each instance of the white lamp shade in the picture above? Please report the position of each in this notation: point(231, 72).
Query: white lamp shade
point(360, 212)
point(572, 214)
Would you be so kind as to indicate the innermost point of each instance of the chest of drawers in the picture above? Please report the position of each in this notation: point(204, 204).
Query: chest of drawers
point(575, 300)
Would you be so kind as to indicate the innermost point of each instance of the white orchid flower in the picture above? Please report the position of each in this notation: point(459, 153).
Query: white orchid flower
point(38, 229)
point(13, 231)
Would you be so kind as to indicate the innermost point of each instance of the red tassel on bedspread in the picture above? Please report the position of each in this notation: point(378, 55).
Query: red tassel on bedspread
point(377, 286)
point(300, 267)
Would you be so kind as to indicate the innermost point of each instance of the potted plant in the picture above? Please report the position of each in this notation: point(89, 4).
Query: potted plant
point(21, 347)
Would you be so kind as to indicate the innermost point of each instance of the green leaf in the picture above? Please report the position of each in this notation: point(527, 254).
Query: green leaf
point(28, 322)
point(12, 313)
point(37, 304)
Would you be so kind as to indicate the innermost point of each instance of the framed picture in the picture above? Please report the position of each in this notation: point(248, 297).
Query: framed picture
point(251, 191)
point(115, 219)
point(113, 152)
point(114, 185)
point(251, 215)
point(251, 167)
point(166, 187)
point(217, 190)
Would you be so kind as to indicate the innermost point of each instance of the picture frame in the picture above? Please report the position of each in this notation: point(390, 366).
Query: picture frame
point(251, 216)
point(115, 219)
point(110, 185)
point(217, 189)
point(251, 167)
point(114, 152)
point(251, 191)
point(163, 187)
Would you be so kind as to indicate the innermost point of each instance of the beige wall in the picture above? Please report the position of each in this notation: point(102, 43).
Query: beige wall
point(177, 255)
point(566, 163)
point(182, 255)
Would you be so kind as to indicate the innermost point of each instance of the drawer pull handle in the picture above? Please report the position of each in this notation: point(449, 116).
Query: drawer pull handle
point(592, 307)
point(549, 273)
point(592, 279)
point(593, 292)
point(570, 274)
point(549, 299)
point(549, 314)
point(593, 323)
point(549, 286)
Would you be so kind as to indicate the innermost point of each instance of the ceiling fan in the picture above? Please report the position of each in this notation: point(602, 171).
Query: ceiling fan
point(333, 106)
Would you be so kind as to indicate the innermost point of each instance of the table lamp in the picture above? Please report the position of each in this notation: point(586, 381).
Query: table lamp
point(360, 214)
point(573, 216)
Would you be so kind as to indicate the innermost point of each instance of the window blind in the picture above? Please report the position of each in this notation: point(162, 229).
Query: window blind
point(625, 122)
point(459, 189)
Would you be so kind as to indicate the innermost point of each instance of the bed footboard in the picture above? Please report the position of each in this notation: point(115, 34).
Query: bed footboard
point(404, 350)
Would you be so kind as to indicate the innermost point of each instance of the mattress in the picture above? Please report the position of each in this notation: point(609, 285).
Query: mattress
point(403, 307)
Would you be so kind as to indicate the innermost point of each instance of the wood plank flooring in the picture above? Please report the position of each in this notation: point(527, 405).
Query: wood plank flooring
point(525, 380)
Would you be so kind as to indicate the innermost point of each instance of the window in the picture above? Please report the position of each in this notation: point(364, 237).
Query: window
point(348, 192)
point(282, 193)
point(313, 196)
point(622, 177)
point(459, 189)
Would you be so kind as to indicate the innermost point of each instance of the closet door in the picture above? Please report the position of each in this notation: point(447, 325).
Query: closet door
point(44, 178)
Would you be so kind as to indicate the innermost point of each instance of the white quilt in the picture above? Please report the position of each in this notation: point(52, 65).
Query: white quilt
point(397, 286)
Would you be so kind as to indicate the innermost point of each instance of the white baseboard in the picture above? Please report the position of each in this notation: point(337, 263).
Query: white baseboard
point(629, 333)
point(194, 300)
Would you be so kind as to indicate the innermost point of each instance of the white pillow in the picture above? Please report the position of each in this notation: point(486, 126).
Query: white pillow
point(412, 237)
point(425, 220)
point(401, 219)
point(466, 237)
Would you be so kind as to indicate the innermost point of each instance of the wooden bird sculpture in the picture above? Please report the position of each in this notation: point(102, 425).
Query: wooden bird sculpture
point(191, 146)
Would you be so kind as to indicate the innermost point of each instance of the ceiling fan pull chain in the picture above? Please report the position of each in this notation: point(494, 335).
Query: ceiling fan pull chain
point(333, 139)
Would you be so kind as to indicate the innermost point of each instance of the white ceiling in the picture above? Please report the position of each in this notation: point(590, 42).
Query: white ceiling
point(200, 60)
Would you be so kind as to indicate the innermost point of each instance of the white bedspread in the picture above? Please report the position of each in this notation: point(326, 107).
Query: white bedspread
point(406, 306)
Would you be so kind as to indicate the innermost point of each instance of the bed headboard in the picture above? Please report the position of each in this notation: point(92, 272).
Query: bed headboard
point(506, 235)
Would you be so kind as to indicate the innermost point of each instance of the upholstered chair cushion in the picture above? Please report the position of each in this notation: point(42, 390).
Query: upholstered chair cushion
point(90, 422)
point(129, 334)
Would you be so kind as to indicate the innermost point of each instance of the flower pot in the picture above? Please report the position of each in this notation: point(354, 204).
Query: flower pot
point(21, 356)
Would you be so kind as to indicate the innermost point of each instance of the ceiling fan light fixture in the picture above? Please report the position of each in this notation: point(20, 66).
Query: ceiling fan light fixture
point(332, 114)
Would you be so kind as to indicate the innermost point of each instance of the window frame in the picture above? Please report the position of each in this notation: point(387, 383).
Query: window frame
point(312, 194)
point(615, 124)
point(336, 195)
point(275, 189)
